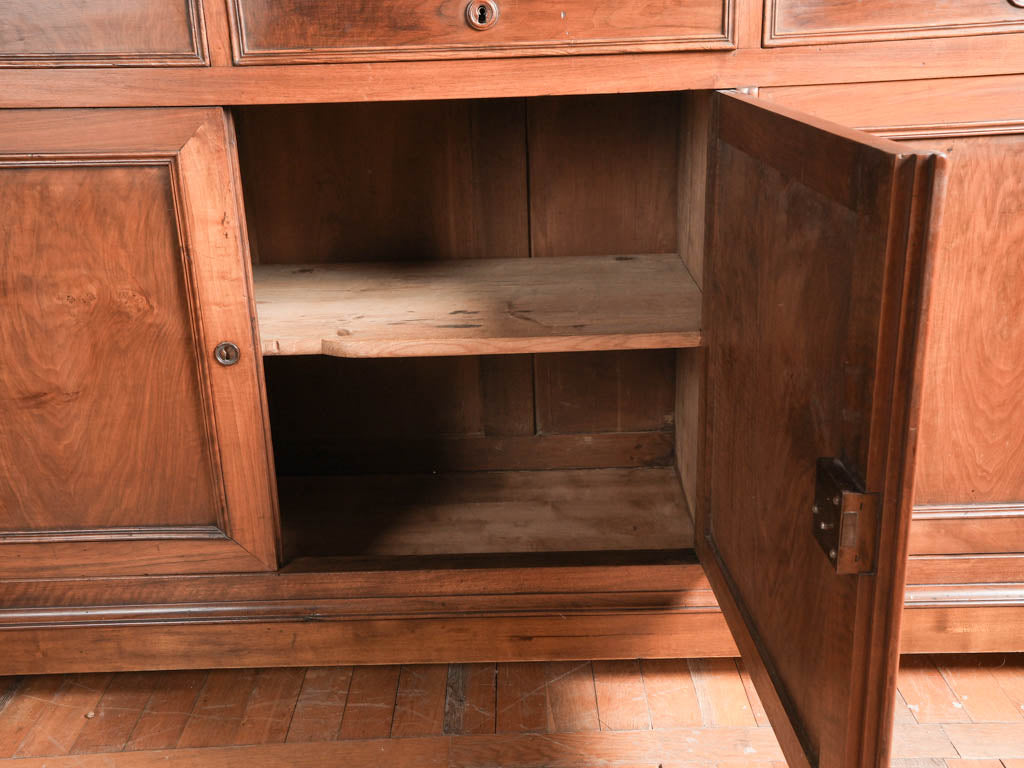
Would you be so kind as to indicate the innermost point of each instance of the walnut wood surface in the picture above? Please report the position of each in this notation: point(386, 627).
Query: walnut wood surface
point(968, 529)
point(945, 106)
point(56, 33)
point(777, 323)
point(265, 31)
point(116, 398)
point(970, 431)
point(972, 427)
point(805, 22)
point(485, 306)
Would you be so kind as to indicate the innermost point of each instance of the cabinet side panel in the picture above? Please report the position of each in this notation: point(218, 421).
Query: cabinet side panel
point(103, 387)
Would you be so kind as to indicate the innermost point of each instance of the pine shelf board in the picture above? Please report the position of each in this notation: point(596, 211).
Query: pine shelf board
point(466, 513)
point(477, 307)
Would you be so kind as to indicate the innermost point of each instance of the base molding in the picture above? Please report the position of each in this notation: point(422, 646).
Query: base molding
point(611, 612)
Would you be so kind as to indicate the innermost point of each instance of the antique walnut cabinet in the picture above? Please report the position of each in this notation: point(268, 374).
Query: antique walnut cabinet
point(339, 332)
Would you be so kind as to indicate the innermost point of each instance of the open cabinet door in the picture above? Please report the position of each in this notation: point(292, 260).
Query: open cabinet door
point(816, 244)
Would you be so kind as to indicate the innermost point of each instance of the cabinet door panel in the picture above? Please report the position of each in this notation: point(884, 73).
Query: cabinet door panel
point(813, 300)
point(125, 448)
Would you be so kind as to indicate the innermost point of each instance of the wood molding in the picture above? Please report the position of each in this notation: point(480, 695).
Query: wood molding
point(965, 569)
point(872, 31)
point(537, 76)
point(977, 595)
point(136, 533)
point(196, 56)
point(245, 53)
point(967, 529)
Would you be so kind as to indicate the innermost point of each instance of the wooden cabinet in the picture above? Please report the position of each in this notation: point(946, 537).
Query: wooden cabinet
point(268, 31)
point(812, 22)
point(126, 448)
point(591, 366)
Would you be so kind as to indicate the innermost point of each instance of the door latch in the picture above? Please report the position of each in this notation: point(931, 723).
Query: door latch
point(845, 518)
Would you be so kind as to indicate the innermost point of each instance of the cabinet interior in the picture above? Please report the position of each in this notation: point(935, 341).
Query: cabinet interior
point(481, 323)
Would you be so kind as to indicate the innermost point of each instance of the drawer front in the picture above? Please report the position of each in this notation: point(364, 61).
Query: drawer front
point(56, 33)
point(803, 22)
point(310, 31)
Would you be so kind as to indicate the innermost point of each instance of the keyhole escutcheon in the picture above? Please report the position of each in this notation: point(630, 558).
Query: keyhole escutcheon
point(482, 14)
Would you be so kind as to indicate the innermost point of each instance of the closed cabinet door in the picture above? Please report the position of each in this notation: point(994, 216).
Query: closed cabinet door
point(133, 437)
point(817, 258)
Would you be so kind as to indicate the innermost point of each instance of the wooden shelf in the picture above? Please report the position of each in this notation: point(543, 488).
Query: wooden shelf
point(591, 510)
point(477, 307)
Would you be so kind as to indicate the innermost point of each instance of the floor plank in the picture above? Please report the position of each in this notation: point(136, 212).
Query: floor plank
point(33, 696)
point(174, 697)
point(922, 741)
point(57, 728)
point(621, 701)
point(614, 748)
point(470, 698)
point(219, 710)
point(371, 703)
point(976, 686)
point(269, 709)
point(374, 753)
point(321, 704)
point(988, 740)
point(720, 691)
point(117, 713)
point(522, 703)
point(572, 700)
point(419, 705)
point(756, 707)
point(671, 695)
point(927, 694)
point(974, 763)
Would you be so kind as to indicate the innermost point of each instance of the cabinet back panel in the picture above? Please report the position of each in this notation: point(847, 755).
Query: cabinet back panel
point(466, 179)
point(103, 386)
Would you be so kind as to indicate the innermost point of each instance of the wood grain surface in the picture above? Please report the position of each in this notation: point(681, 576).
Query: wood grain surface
point(777, 320)
point(972, 428)
point(807, 22)
point(133, 392)
point(321, 31)
point(951, 712)
point(485, 306)
point(56, 33)
point(471, 513)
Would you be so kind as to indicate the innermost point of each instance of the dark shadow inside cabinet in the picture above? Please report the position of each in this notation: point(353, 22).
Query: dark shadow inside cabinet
point(476, 318)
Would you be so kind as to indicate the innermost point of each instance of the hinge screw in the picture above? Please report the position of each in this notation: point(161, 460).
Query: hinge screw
point(815, 509)
point(826, 526)
point(835, 501)
point(831, 554)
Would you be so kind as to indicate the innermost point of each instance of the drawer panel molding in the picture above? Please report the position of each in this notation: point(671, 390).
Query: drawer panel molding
point(102, 33)
point(813, 22)
point(323, 31)
point(967, 529)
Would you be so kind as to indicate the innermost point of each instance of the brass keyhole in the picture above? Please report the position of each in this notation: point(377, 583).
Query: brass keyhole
point(226, 353)
point(482, 14)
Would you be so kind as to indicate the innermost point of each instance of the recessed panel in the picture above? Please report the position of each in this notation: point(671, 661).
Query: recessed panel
point(91, 32)
point(103, 421)
point(798, 22)
point(297, 31)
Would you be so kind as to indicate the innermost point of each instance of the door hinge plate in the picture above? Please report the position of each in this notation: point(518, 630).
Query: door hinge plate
point(844, 518)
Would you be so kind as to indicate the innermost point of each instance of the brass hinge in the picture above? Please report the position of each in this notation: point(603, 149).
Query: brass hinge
point(844, 518)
